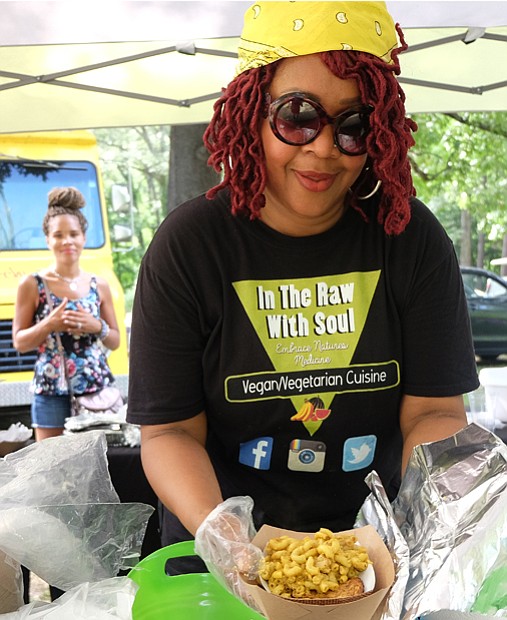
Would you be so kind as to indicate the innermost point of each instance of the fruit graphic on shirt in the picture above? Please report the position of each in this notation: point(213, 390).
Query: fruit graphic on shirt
point(304, 413)
point(312, 410)
point(318, 413)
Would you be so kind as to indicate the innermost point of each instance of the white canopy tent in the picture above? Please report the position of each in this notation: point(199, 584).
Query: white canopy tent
point(68, 64)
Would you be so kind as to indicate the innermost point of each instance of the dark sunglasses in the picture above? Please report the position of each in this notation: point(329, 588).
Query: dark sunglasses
point(296, 119)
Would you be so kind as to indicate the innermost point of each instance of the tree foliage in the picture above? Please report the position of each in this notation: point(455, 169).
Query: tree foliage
point(137, 157)
point(459, 165)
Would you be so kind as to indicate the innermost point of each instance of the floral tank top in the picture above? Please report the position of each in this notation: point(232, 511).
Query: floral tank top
point(87, 367)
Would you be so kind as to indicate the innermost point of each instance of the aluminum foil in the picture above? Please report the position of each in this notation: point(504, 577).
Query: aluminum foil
point(451, 512)
point(377, 511)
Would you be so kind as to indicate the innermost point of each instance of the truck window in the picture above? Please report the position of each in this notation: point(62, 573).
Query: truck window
point(24, 188)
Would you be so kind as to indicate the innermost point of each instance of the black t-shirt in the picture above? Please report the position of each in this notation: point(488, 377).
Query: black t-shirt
point(299, 349)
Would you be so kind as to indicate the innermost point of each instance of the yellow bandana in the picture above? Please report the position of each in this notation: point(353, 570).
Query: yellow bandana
point(274, 30)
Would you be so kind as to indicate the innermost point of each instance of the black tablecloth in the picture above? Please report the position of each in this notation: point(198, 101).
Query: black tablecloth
point(131, 485)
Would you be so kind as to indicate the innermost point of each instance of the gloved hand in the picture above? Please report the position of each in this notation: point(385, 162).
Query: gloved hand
point(223, 541)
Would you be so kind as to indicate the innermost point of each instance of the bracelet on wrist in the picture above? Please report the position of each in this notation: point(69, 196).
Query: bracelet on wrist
point(104, 332)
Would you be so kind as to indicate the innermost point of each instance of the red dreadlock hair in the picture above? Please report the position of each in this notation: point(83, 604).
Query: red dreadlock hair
point(233, 136)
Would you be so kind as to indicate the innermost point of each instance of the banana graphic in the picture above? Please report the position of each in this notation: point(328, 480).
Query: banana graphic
point(305, 412)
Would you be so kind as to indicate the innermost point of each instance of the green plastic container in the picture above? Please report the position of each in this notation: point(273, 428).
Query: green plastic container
point(196, 596)
point(492, 596)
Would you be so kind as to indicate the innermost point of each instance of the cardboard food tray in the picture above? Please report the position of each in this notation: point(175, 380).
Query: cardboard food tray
point(359, 608)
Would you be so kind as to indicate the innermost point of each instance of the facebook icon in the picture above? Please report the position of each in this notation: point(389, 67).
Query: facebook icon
point(256, 453)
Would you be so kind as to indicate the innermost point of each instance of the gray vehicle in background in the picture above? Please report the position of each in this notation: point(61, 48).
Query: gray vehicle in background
point(486, 294)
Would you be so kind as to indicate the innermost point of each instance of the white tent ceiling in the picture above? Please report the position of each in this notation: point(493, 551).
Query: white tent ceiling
point(69, 64)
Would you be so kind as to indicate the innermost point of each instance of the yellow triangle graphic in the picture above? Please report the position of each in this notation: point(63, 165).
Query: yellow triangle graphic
point(310, 323)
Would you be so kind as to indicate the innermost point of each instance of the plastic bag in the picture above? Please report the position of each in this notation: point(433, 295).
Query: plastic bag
point(58, 471)
point(60, 515)
point(69, 545)
point(111, 599)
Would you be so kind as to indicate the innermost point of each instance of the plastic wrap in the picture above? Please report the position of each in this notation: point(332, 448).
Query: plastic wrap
point(60, 515)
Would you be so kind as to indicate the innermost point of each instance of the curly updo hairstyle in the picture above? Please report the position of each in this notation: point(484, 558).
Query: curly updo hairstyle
point(65, 201)
point(234, 142)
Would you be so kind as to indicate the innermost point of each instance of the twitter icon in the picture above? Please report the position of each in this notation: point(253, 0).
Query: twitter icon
point(358, 452)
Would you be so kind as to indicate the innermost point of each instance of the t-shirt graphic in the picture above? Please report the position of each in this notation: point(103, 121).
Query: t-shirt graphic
point(358, 452)
point(310, 328)
point(256, 453)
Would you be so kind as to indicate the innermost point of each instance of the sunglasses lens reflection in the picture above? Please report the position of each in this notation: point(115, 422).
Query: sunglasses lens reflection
point(298, 121)
point(350, 135)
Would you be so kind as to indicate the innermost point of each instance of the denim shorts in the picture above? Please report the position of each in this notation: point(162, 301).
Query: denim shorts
point(50, 411)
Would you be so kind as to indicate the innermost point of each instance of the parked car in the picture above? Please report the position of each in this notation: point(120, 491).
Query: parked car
point(486, 295)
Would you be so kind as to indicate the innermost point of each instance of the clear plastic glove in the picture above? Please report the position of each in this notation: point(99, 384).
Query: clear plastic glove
point(223, 541)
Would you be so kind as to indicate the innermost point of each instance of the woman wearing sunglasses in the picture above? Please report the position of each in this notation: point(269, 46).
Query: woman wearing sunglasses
point(303, 323)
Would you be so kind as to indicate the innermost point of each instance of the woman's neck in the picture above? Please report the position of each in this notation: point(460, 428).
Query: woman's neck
point(72, 272)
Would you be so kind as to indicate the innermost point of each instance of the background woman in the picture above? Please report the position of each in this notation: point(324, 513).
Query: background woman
point(305, 322)
point(83, 315)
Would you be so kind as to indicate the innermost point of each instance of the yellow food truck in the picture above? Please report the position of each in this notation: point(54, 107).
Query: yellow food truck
point(31, 165)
